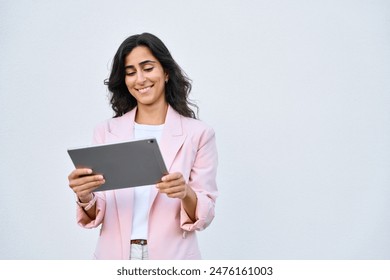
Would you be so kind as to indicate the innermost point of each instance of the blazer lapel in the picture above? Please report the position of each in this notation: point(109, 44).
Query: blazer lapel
point(172, 139)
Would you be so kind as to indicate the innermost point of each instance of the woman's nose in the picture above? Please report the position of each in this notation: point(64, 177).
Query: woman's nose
point(140, 77)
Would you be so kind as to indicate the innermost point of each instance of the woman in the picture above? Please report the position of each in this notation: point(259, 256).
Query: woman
point(149, 95)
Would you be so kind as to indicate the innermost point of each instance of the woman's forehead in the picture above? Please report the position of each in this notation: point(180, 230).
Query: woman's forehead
point(139, 55)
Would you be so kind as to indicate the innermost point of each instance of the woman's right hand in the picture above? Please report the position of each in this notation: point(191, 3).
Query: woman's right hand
point(83, 183)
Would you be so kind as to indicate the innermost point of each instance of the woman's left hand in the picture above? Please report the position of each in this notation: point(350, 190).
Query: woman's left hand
point(173, 185)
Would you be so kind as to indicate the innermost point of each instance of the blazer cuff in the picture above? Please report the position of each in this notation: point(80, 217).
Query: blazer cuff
point(85, 221)
point(204, 214)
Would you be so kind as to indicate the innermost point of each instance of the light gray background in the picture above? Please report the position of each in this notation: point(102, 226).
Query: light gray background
point(297, 91)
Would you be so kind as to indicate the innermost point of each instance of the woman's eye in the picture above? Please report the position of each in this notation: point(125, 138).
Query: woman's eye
point(149, 69)
point(130, 73)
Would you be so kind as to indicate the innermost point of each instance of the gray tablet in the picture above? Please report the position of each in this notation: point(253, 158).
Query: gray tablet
point(123, 165)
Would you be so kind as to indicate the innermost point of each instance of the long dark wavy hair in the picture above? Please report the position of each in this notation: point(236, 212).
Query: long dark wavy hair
point(177, 89)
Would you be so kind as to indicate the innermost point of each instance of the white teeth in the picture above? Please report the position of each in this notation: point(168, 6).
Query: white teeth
point(143, 90)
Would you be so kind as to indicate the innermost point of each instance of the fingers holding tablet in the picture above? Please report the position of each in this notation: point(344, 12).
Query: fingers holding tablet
point(83, 182)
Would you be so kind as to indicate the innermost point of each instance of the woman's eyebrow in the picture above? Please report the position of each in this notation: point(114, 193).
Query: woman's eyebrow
point(140, 64)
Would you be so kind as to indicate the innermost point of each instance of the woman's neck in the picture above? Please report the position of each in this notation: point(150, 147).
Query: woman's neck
point(151, 115)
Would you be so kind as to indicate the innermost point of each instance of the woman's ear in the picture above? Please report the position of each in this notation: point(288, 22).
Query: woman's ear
point(166, 77)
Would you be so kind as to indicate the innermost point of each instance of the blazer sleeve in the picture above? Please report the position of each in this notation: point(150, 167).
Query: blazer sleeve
point(82, 218)
point(203, 181)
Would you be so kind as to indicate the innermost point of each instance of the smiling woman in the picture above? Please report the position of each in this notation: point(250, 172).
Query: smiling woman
point(150, 99)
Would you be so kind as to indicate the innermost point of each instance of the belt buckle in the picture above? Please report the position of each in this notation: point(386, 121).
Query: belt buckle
point(139, 241)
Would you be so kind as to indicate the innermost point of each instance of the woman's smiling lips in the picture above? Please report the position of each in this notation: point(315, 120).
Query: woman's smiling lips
point(144, 90)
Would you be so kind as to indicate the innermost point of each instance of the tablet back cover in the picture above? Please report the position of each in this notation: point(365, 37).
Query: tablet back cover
point(123, 165)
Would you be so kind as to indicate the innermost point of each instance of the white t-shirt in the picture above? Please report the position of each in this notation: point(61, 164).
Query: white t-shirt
point(142, 194)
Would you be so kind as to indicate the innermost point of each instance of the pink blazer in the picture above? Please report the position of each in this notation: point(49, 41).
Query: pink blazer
point(188, 146)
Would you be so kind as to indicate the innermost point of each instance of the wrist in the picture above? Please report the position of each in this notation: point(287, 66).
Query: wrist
point(85, 199)
point(87, 205)
point(189, 194)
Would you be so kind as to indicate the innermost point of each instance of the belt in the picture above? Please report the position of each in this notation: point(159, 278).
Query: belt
point(139, 241)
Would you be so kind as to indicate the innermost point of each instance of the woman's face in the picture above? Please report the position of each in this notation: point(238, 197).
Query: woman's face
point(145, 77)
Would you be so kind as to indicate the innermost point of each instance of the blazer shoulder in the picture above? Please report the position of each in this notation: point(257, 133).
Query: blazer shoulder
point(197, 127)
point(104, 127)
point(111, 124)
point(118, 127)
